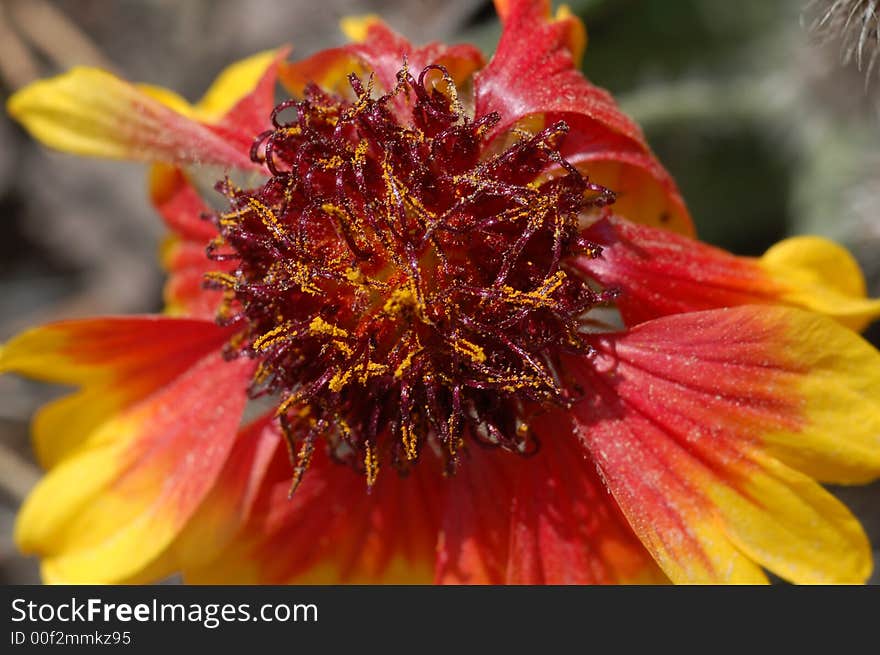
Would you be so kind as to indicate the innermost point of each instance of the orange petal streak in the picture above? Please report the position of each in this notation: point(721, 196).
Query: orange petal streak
point(474, 545)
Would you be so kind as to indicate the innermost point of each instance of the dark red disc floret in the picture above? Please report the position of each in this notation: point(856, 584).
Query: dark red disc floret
point(401, 280)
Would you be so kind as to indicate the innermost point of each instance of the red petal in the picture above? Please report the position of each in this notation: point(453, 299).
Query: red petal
point(534, 72)
point(179, 204)
point(251, 115)
point(381, 52)
point(131, 353)
point(546, 519)
point(186, 260)
point(475, 538)
point(566, 527)
point(116, 360)
point(331, 530)
point(185, 293)
point(228, 505)
point(661, 273)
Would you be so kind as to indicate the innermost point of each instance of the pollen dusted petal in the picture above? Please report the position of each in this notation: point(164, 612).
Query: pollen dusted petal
point(116, 360)
point(706, 426)
point(331, 531)
point(542, 82)
point(566, 527)
point(380, 50)
point(88, 111)
point(108, 511)
point(661, 273)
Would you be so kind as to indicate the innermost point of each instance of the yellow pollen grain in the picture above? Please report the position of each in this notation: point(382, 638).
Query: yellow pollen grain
point(400, 299)
point(333, 162)
point(287, 403)
point(302, 276)
point(372, 369)
point(261, 373)
point(237, 340)
point(537, 298)
point(355, 276)
point(320, 326)
point(230, 220)
point(371, 464)
point(337, 382)
point(360, 152)
point(224, 279)
point(342, 347)
point(271, 337)
point(225, 310)
point(409, 439)
point(267, 216)
point(363, 98)
point(334, 210)
point(405, 364)
point(343, 427)
point(470, 350)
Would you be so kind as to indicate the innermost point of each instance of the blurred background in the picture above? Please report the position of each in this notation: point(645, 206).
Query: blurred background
point(765, 114)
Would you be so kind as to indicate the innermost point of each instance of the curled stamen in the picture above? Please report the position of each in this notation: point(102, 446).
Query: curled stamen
point(405, 287)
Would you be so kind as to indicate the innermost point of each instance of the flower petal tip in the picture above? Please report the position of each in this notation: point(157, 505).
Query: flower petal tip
point(356, 28)
point(821, 276)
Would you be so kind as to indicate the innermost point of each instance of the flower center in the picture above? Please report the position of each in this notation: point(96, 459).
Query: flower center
point(401, 281)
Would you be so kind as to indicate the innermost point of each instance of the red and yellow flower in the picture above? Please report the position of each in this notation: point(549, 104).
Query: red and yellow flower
point(492, 348)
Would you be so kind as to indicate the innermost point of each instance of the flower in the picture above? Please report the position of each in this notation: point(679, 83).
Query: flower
point(493, 349)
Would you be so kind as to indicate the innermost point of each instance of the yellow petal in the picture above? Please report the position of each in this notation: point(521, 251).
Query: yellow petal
point(839, 387)
point(577, 34)
point(68, 424)
point(87, 531)
point(641, 197)
point(88, 111)
point(821, 276)
point(789, 524)
point(115, 360)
